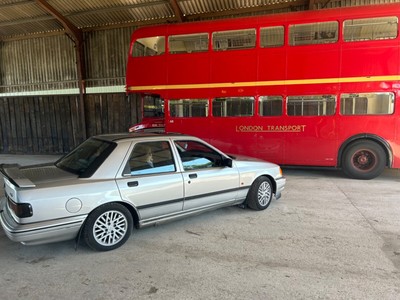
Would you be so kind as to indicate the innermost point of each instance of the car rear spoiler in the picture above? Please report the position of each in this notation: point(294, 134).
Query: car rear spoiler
point(14, 174)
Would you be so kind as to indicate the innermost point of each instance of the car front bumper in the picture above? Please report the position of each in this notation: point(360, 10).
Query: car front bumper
point(39, 232)
point(280, 186)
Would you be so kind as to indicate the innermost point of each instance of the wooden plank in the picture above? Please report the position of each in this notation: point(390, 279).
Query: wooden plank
point(116, 116)
point(98, 121)
point(22, 140)
point(28, 126)
point(3, 129)
point(13, 126)
point(51, 124)
point(58, 125)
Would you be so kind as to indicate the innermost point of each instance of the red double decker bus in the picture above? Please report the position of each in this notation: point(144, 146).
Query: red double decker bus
point(314, 88)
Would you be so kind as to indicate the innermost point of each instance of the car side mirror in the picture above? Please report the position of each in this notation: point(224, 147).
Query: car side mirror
point(227, 162)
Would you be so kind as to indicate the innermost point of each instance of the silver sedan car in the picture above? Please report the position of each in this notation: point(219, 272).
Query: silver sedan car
point(110, 183)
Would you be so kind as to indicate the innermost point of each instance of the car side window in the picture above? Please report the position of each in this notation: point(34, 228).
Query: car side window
point(196, 155)
point(151, 158)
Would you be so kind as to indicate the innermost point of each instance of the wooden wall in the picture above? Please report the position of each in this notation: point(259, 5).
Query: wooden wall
point(52, 124)
point(47, 65)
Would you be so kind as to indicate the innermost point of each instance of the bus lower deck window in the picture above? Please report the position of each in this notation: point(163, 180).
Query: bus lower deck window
point(188, 108)
point(367, 104)
point(270, 105)
point(318, 105)
point(233, 107)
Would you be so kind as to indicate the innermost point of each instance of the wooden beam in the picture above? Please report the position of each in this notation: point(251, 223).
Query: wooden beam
point(77, 36)
point(177, 10)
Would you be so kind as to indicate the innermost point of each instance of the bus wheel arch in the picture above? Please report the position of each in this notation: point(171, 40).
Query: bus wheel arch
point(364, 157)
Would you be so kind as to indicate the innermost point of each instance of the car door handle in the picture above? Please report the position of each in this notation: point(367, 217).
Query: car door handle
point(191, 176)
point(133, 183)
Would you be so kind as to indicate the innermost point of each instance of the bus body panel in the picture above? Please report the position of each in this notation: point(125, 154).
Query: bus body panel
point(330, 69)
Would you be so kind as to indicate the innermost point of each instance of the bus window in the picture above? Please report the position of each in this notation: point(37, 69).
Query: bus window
point(370, 29)
point(188, 108)
point(313, 33)
point(234, 39)
point(321, 105)
point(150, 46)
point(153, 106)
point(271, 37)
point(188, 43)
point(367, 104)
point(270, 106)
point(233, 107)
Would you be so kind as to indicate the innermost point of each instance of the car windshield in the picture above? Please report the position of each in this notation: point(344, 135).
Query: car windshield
point(87, 157)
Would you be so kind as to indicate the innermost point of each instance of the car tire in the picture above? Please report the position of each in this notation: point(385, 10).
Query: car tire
point(260, 194)
point(363, 160)
point(108, 227)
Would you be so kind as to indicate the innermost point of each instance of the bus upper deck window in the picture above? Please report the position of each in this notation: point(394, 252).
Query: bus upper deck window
point(149, 46)
point(188, 43)
point(313, 33)
point(370, 29)
point(271, 37)
point(234, 39)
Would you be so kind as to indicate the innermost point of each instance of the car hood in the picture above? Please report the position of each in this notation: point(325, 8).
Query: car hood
point(246, 161)
point(31, 176)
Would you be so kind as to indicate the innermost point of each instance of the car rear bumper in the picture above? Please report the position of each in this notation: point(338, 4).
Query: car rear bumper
point(39, 232)
point(280, 186)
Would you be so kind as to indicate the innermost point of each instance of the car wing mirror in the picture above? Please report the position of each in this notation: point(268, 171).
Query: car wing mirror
point(227, 162)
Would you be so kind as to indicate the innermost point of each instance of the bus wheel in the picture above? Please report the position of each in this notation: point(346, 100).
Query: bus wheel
point(260, 194)
point(364, 160)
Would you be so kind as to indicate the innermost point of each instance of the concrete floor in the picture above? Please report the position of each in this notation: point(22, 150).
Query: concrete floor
point(328, 237)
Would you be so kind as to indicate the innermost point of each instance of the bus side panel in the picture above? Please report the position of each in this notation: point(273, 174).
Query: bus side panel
point(310, 141)
point(380, 58)
point(195, 64)
point(250, 136)
point(271, 64)
point(312, 62)
point(141, 72)
point(233, 66)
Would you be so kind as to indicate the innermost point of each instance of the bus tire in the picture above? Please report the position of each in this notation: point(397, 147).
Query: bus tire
point(363, 160)
point(260, 194)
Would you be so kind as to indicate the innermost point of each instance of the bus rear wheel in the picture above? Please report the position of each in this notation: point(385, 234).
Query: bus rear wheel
point(363, 160)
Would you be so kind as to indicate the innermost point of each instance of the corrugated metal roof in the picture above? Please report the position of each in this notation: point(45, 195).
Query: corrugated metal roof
point(27, 17)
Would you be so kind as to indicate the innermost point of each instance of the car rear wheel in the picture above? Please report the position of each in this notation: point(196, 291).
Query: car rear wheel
point(108, 227)
point(260, 193)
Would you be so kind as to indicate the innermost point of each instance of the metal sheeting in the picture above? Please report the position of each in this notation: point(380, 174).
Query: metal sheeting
point(38, 64)
point(25, 17)
point(345, 3)
point(106, 55)
point(48, 63)
point(205, 6)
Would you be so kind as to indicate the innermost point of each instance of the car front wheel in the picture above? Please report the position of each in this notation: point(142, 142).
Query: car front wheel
point(108, 227)
point(260, 193)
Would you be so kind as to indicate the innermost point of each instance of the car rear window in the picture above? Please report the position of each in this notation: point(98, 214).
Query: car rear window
point(87, 157)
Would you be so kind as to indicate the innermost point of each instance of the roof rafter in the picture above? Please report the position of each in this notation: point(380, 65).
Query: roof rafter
point(177, 10)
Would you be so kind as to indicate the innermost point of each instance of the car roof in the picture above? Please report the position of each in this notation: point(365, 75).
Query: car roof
point(123, 136)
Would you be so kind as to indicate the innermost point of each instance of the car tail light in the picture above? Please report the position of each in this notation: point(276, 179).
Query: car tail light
point(21, 210)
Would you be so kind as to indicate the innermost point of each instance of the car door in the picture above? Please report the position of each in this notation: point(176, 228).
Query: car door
point(152, 184)
point(206, 181)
